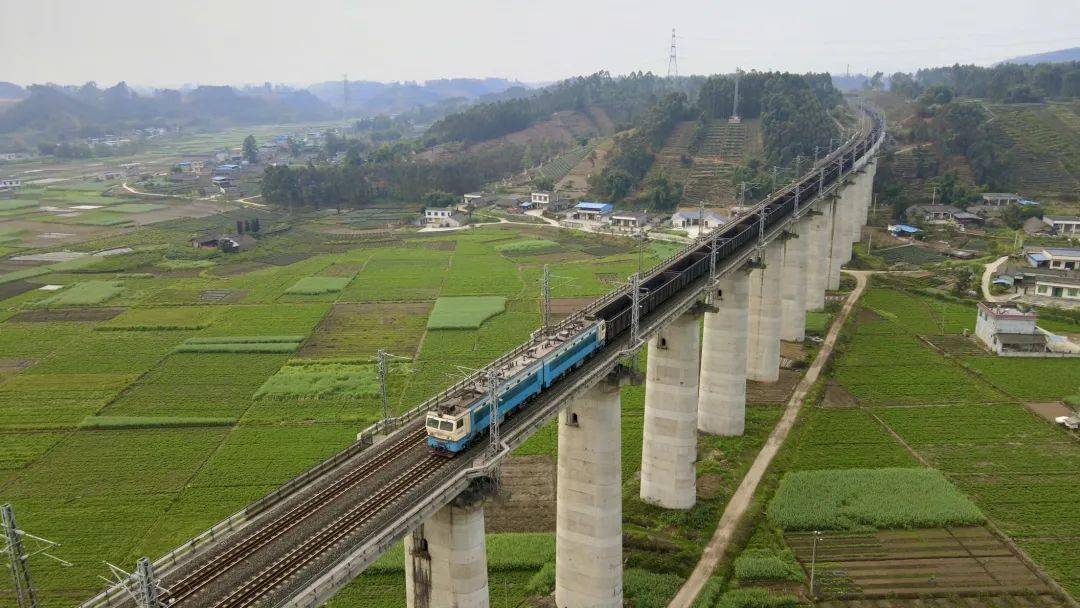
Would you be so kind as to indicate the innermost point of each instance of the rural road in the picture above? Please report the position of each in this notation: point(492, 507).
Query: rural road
point(741, 500)
point(991, 268)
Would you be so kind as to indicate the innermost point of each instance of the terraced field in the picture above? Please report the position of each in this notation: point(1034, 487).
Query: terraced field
point(1047, 140)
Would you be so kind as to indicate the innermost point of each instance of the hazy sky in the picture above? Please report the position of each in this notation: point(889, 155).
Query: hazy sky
point(301, 41)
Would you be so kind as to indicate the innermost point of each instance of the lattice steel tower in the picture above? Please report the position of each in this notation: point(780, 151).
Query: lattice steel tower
point(672, 61)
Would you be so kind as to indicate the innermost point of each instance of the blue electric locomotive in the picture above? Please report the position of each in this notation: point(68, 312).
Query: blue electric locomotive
point(463, 419)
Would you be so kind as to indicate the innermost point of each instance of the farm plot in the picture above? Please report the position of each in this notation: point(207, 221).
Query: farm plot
point(56, 400)
point(1030, 379)
point(241, 344)
point(482, 274)
point(206, 385)
point(87, 293)
point(937, 562)
point(464, 312)
point(294, 319)
point(318, 285)
point(527, 247)
point(359, 330)
point(321, 380)
point(842, 439)
point(165, 318)
point(880, 498)
point(398, 279)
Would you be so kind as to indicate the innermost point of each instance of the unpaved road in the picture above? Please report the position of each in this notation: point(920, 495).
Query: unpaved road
point(740, 501)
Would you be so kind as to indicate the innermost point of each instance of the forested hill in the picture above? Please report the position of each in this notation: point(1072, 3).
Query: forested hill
point(89, 111)
point(625, 98)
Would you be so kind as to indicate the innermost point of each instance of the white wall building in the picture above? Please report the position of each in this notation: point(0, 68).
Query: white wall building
point(1005, 328)
point(1063, 224)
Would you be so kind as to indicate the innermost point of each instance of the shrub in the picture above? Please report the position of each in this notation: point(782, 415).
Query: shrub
point(767, 565)
point(755, 597)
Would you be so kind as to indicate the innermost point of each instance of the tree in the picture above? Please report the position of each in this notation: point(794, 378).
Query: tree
point(661, 193)
point(251, 150)
point(1023, 93)
point(543, 182)
point(904, 84)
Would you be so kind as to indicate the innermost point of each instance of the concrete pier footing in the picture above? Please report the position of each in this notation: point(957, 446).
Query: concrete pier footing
point(817, 266)
point(763, 343)
point(588, 520)
point(793, 284)
point(669, 443)
point(722, 394)
point(446, 560)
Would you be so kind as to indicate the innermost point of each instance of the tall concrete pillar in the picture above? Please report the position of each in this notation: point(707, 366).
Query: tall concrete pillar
point(817, 269)
point(669, 443)
point(763, 342)
point(722, 394)
point(839, 245)
point(588, 517)
point(446, 560)
point(793, 284)
point(855, 202)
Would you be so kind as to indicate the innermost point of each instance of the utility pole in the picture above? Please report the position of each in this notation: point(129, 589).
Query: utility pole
point(344, 97)
point(635, 309)
point(735, 106)
point(641, 237)
point(20, 567)
point(772, 188)
point(673, 61)
point(494, 440)
point(382, 368)
point(545, 299)
point(816, 148)
point(146, 585)
point(19, 557)
point(742, 194)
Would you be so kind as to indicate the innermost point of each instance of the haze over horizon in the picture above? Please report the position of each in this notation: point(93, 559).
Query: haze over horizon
point(202, 42)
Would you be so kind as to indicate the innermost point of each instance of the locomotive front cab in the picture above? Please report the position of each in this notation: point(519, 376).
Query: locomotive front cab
point(447, 432)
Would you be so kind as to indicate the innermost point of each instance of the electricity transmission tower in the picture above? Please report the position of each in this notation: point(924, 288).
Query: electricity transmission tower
point(735, 105)
point(545, 300)
point(19, 558)
point(673, 61)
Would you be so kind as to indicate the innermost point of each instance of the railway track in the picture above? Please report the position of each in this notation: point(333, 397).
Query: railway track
point(191, 583)
point(279, 571)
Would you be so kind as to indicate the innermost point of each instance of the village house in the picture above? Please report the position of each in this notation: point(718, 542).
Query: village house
point(444, 217)
point(932, 214)
point(1063, 224)
point(1000, 199)
point(11, 182)
point(688, 218)
point(547, 201)
point(1006, 329)
point(1054, 258)
point(591, 211)
point(628, 221)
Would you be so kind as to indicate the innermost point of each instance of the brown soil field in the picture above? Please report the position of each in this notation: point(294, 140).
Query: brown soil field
point(14, 288)
point(527, 500)
point(837, 395)
point(1051, 410)
point(65, 314)
point(564, 307)
point(773, 392)
point(912, 564)
point(576, 183)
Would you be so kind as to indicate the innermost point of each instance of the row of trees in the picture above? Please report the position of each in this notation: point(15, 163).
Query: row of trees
point(1008, 83)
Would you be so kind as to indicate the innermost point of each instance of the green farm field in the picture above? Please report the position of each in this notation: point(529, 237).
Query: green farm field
point(159, 390)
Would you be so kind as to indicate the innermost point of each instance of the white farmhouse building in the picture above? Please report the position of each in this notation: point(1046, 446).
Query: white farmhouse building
point(1005, 329)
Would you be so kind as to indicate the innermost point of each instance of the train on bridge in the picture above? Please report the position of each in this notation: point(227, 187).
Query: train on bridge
point(463, 418)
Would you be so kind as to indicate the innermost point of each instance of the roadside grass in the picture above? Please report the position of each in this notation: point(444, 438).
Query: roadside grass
point(318, 285)
point(464, 312)
point(854, 499)
point(87, 293)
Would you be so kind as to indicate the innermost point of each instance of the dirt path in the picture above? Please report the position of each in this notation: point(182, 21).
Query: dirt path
point(740, 501)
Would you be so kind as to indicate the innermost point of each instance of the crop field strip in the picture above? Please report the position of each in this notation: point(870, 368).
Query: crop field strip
point(1016, 467)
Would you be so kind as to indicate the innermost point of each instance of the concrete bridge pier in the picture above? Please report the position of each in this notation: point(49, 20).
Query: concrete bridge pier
point(793, 284)
point(669, 445)
point(839, 243)
point(858, 208)
point(722, 393)
point(588, 519)
point(763, 349)
point(446, 559)
point(818, 250)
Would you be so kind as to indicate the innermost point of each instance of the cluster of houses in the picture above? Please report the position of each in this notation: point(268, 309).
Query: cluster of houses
point(587, 215)
point(1045, 272)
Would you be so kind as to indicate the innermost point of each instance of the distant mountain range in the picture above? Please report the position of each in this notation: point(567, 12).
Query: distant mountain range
point(1059, 56)
point(82, 111)
point(370, 98)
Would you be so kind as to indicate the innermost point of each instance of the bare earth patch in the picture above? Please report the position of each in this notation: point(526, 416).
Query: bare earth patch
point(528, 501)
point(564, 307)
point(837, 395)
point(1050, 411)
point(773, 392)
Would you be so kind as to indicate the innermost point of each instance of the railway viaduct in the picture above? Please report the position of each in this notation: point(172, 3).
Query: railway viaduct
point(298, 546)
